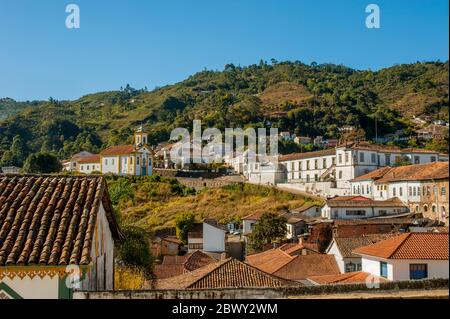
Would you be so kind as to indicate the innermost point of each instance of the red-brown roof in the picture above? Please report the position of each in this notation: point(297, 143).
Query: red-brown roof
point(304, 266)
point(118, 150)
point(429, 171)
point(359, 201)
point(298, 156)
point(177, 265)
point(410, 246)
point(51, 220)
point(383, 148)
point(89, 159)
point(348, 244)
point(270, 260)
point(229, 273)
point(418, 172)
point(347, 278)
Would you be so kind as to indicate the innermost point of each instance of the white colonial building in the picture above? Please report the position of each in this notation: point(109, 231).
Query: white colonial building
point(359, 207)
point(409, 256)
point(329, 172)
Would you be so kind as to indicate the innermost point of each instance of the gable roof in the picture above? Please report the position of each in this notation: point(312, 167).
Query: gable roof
point(304, 266)
point(118, 150)
point(172, 266)
point(360, 201)
point(347, 278)
point(298, 156)
point(89, 159)
point(418, 172)
point(270, 260)
point(229, 273)
point(410, 246)
point(347, 245)
point(50, 220)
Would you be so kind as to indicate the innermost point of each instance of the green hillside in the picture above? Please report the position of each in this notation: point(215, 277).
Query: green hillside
point(305, 99)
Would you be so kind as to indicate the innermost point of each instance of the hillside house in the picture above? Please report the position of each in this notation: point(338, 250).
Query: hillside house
point(208, 236)
point(342, 249)
point(409, 256)
point(359, 207)
point(423, 188)
point(51, 226)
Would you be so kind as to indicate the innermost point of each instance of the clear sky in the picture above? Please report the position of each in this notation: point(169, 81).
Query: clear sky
point(153, 43)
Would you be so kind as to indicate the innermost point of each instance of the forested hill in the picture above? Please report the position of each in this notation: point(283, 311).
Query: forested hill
point(305, 99)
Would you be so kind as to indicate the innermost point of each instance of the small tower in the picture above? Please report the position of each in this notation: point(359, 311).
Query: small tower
point(140, 137)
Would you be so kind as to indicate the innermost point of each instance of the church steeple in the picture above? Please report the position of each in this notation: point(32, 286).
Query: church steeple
point(140, 137)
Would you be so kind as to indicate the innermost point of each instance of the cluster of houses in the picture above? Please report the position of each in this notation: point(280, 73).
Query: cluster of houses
point(133, 159)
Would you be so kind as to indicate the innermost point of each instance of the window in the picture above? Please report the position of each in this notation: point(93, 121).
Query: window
point(346, 157)
point(316, 177)
point(88, 167)
point(354, 189)
point(324, 163)
point(307, 164)
point(131, 160)
point(383, 269)
point(401, 191)
point(383, 212)
point(414, 191)
point(350, 267)
point(418, 271)
point(394, 191)
point(416, 160)
point(333, 161)
point(137, 160)
point(361, 157)
point(410, 192)
point(340, 158)
point(355, 212)
point(388, 159)
point(443, 191)
point(433, 158)
point(149, 162)
point(368, 189)
point(299, 166)
point(307, 178)
point(373, 158)
point(112, 161)
point(428, 191)
point(316, 164)
point(196, 246)
point(106, 162)
point(340, 174)
point(82, 167)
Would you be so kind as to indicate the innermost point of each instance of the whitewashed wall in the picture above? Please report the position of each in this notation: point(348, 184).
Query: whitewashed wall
point(213, 238)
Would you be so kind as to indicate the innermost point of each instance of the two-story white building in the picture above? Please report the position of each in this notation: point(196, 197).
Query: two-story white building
point(208, 236)
point(329, 172)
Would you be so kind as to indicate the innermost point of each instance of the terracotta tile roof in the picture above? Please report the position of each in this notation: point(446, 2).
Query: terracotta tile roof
point(118, 150)
point(298, 156)
point(374, 175)
point(384, 221)
point(229, 273)
point(270, 260)
point(429, 171)
point(359, 201)
point(172, 266)
point(90, 159)
point(292, 248)
point(50, 220)
point(347, 245)
point(171, 239)
point(197, 259)
point(383, 148)
point(304, 266)
point(410, 246)
point(347, 278)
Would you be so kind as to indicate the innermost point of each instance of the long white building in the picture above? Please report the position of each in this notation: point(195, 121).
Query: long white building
point(329, 172)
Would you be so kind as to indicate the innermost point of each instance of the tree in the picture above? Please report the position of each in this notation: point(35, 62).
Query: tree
point(16, 155)
point(42, 163)
point(270, 228)
point(135, 249)
point(183, 223)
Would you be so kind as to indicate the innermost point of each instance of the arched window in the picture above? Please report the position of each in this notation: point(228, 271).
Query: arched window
point(425, 208)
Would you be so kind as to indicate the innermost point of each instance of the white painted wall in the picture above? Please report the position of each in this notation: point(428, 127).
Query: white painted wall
point(88, 168)
point(36, 288)
point(341, 212)
point(398, 269)
point(213, 238)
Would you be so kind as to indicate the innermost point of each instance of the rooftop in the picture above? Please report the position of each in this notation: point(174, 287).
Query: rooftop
point(50, 220)
point(347, 278)
point(360, 201)
point(304, 266)
point(410, 246)
point(89, 159)
point(118, 150)
point(348, 244)
point(297, 156)
point(229, 273)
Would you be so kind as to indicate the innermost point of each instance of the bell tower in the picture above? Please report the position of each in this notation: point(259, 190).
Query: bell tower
point(140, 137)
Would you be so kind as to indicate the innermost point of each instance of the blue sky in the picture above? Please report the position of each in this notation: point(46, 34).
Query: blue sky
point(153, 43)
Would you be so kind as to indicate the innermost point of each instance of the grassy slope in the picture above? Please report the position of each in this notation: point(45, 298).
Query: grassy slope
point(154, 203)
